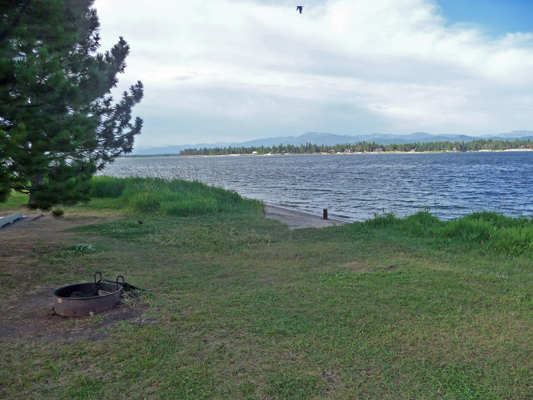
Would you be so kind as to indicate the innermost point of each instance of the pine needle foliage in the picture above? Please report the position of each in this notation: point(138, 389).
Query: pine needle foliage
point(58, 121)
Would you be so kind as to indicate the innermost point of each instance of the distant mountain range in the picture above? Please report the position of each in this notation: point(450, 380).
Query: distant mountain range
point(330, 139)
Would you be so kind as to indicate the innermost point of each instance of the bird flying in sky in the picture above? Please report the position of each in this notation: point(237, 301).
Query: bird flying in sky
point(299, 8)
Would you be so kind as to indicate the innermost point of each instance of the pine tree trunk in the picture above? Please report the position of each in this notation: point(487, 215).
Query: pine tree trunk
point(36, 181)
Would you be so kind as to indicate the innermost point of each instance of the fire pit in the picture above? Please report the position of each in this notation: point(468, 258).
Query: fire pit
point(82, 299)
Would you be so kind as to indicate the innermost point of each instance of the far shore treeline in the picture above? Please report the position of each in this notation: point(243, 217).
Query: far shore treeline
point(363, 147)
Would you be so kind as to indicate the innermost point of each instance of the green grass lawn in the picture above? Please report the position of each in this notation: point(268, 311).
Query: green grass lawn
point(241, 307)
point(15, 200)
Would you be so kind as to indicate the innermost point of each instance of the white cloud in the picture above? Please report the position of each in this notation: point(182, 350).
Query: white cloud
point(353, 66)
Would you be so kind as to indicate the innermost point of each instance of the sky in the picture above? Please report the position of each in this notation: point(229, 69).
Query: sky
point(239, 70)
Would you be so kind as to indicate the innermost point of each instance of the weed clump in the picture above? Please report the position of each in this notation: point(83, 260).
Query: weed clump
point(83, 248)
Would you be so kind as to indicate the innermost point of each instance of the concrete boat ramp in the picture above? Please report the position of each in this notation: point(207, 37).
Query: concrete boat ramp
point(297, 219)
point(294, 219)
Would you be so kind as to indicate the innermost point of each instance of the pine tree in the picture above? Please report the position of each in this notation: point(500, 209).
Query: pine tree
point(58, 121)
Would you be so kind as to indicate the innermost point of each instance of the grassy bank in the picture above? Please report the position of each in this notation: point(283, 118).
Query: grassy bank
point(15, 200)
point(241, 307)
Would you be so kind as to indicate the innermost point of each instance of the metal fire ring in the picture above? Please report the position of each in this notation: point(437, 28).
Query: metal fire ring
point(88, 297)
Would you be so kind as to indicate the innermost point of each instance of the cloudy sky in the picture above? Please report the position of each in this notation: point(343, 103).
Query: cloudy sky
point(237, 70)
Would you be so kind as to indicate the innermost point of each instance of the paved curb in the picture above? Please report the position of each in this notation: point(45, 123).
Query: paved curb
point(21, 222)
point(10, 219)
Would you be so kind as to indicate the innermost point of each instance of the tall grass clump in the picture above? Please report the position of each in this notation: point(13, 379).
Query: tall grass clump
point(104, 187)
point(176, 198)
point(489, 230)
point(381, 221)
point(504, 234)
point(420, 223)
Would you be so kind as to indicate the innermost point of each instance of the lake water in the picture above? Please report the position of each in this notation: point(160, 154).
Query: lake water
point(355, 187)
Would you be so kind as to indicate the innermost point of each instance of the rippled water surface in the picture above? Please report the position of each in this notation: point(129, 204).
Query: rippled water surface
point(355, 187)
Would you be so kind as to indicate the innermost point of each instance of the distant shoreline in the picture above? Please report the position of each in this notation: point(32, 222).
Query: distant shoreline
point(326, 154)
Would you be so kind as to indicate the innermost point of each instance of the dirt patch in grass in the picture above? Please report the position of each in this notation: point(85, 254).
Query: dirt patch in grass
point(26, 307)
point(358, 266)
point(332, 384)
point(22, 249)
point(33, 317)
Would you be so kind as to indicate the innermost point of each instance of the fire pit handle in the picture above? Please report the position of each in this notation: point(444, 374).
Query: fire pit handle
point(97, 283)
point(120, 276)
